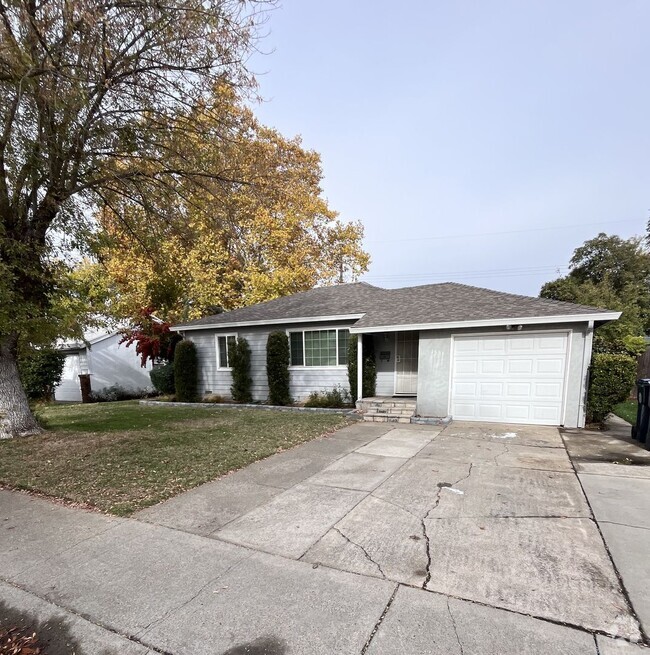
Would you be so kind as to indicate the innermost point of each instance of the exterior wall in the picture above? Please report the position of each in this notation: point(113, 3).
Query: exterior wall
point(434, 369)
point(108, 363)
point(385, 342)
point(304, 380)
point(68, 390)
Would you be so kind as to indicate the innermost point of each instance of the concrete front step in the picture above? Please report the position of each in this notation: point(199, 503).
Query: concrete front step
point(386, 418)
point(380, 403)
point(407, 413)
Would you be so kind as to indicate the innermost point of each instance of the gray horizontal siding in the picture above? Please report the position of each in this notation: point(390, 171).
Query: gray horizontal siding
point(303, 380)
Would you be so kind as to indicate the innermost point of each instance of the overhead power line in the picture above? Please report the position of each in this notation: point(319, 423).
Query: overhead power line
point(495, 272)
point(468, 235)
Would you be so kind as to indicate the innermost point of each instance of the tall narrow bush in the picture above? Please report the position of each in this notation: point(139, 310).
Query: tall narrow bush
point(277, 368)
point(186, 372)
point(611, 379)
point(240, 361)
point(369, 368)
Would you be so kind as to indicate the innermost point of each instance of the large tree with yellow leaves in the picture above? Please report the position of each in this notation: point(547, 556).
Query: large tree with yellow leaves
point(97, 96)
point(256, 229)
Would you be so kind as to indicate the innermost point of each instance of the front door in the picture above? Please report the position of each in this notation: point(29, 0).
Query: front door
point(406, 363)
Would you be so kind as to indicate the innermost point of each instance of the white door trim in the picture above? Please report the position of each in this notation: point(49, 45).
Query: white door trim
point(395, 391)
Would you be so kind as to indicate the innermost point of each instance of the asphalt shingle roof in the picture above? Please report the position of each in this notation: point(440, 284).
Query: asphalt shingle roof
point(355, 298)
point(452, 302)
point(448, 302)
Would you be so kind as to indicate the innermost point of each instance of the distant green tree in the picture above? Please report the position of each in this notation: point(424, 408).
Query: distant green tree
point(611, 273)
point(40, 371)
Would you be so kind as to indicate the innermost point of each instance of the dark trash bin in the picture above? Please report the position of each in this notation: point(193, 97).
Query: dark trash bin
point(640, 430)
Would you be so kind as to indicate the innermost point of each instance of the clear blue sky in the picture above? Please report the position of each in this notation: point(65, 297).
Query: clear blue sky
point(441, 123)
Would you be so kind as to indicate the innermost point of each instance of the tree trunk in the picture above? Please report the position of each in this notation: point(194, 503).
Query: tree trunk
point(16, 418)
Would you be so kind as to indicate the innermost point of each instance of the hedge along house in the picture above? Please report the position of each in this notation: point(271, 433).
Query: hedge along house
point(447, 350)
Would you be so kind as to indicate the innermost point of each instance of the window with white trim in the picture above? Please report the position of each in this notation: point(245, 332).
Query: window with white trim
point(224, 343)
point(319, 347)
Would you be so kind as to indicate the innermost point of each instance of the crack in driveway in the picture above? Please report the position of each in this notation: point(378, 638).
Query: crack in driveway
point(505, 452)
point(453, 623)
point(363, 550)
point(427, 541)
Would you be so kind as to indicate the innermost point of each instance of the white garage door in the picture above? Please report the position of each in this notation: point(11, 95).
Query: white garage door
point(514, 378)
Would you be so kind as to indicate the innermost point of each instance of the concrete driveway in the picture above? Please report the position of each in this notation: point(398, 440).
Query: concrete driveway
point(474, 539)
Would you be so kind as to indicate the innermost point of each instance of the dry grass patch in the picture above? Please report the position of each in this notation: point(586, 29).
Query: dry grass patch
point(121, 457)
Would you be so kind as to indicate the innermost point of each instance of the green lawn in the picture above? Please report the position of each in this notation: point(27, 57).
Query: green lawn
point(121, 457)
point(627, 411)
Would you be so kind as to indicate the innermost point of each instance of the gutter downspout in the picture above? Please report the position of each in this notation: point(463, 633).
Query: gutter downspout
point(359, 366)
point(584, 380)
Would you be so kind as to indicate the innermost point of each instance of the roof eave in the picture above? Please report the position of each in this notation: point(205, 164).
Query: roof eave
point(600, 317)
point(274, 321)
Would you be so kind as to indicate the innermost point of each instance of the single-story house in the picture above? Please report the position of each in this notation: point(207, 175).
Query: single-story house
point(452, 349)
point(108, 362)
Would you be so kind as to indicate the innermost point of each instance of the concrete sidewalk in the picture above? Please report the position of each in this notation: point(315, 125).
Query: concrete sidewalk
point(473, 540)
point(615, 475)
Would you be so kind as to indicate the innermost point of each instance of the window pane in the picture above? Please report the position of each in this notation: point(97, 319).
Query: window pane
point(223, 355)
point(232, 340)
point(320, 348)
point(296, 349)
point(344, 338)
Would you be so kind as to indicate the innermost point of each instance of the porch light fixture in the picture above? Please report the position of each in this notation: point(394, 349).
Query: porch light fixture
point(514, 327)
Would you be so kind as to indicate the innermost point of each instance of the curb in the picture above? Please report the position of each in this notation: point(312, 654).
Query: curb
point(352, 413)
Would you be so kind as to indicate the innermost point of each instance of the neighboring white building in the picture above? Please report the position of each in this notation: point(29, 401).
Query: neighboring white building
point(106, 360)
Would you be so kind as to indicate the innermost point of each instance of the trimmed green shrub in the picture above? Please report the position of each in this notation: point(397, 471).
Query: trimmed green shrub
point(40, 371)
point(369, 368)
point(162, 378)
point(186, 372)
point(277, 368)
point(239, 357)
point(612, 377)
point(336, 397)
point(116, 393)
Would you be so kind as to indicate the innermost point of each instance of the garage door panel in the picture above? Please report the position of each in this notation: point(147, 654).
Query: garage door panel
point(465, 389)
point(521, 344)
point(466, 410)
point(519, 366)
point(492, 345)
point(466, 367)
point(467, 346)
point(518, 389)
point(490, 366)
point(490, 389)
point(516, 412)
point(547, 413)
point(551, 344)
point(548, 390)
point(554, 366)
point(489, 410)
point(517, 378)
